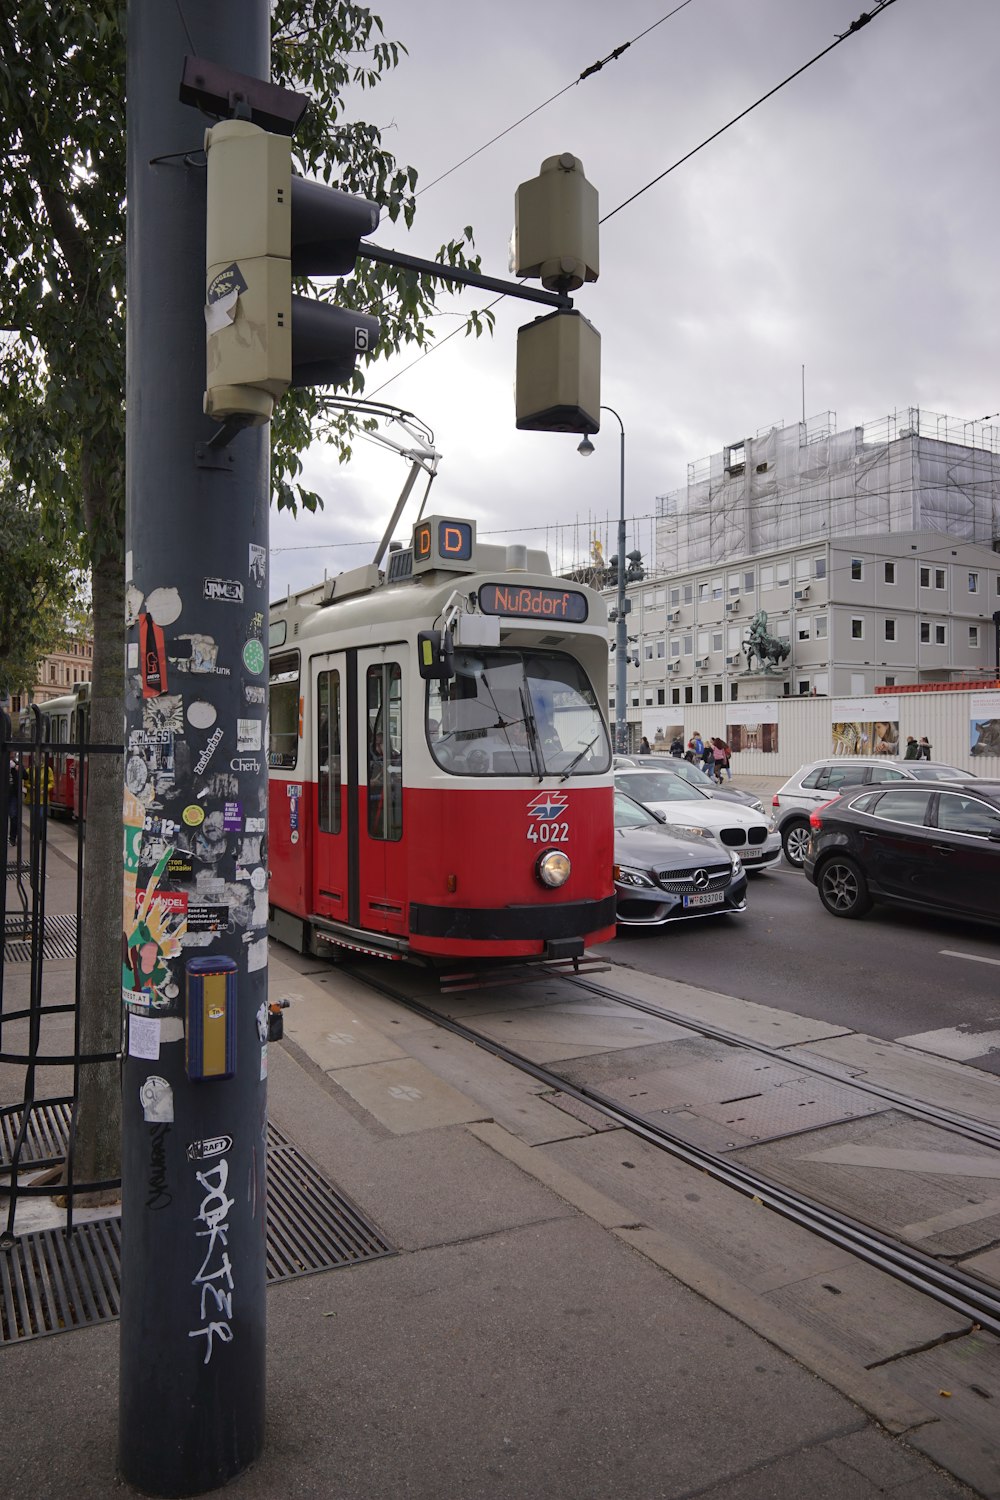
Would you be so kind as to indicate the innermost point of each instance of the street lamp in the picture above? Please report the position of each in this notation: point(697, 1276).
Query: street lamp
point(634, 573)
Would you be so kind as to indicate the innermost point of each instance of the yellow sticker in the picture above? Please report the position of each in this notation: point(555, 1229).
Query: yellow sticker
point(193, 815)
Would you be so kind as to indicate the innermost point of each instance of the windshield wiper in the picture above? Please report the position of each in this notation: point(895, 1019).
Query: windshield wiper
point(578, 757)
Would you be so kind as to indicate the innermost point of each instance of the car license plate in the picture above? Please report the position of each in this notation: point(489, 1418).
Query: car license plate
point(705, 898)
point(755, 853)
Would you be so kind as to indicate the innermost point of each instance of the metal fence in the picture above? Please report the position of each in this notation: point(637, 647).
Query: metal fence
point(39, 991)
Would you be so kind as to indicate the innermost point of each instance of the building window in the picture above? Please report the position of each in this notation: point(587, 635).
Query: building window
point(973, 583)
point(820, 627)
point(661, 649)
point(857, 628)
point(782, 574)
point(675, 645)
point(803, 687)
point(675, 597)
point(821, 683)
point(939, 578)
point(925, 632)
point(803, 625)
point(787, 686)
point(733, 584)
point(890, 682)
point(782, 631)
point(889, 573)
point(689, 695)
point(767, 577)
point(717, 588)
point(940, 635)
point(802, 569)
point(749, 585)
point(687, 645)
point(688, 593)
point(703, 692)
point(661, 695)
point(649, 700)
point(973, 635)
point(717, 692)
point(889, 626)
point(716, 640)
point(647, 651)
point(819, 567)
point(734, 638)
point(702, 590)
point(675, 695)
point(925, 578)
point(857, 569)
point(703, 639)
point(734, 692)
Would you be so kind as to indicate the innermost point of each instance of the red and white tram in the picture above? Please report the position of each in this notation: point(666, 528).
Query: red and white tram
point(440, 763)
point(68, 724)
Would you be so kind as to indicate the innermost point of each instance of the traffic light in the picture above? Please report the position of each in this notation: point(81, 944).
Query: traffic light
point(558, 386)
point(264, 225)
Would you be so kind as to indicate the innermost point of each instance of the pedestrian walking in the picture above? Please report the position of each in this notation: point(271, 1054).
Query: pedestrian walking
point(924, 748)
point(677, 747)
point(644, 746)
point(912, 751)
point(718, 760)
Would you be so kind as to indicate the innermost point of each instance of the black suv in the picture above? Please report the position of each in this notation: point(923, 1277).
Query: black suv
point(928, 847)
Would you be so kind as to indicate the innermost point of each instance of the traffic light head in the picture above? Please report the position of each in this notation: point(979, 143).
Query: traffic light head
point(556, 226)
point(263, 226)
point(558, 385)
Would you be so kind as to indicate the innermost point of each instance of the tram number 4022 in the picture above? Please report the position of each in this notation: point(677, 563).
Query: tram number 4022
point(549, 833)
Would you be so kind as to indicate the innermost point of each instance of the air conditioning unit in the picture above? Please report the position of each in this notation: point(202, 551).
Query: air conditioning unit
point(803, 592)
point(733, 661)
point(674, 616)
point(701, 661)
point(673, 666)
point(732, 606)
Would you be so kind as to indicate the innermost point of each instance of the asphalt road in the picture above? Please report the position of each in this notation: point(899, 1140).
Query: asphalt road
point(893, 974)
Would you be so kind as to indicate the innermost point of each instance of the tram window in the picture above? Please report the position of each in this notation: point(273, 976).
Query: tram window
point(328, 751)
point(283, 739)
point(514, 713)
point(384, 696)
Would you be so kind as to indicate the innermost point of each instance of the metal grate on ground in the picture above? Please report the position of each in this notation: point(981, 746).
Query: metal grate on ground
point(51, 1282)
point(59, 940)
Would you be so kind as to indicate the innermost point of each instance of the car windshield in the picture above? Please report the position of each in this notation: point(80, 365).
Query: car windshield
point(930, 771)
point(694, 774)
point(517, 713)
point(629, 814)
point(660, 786)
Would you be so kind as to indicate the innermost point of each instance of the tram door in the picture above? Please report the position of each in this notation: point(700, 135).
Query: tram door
point(359, 873)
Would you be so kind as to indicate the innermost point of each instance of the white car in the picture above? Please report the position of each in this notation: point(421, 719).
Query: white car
point(688, 811)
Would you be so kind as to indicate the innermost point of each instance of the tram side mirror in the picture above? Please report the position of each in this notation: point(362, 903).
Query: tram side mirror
point(436, 655)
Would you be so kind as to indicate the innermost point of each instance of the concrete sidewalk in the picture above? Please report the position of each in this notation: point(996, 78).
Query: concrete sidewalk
point(527, 1341)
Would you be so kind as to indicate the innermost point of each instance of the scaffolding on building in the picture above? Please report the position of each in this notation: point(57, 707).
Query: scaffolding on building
point(913, 470)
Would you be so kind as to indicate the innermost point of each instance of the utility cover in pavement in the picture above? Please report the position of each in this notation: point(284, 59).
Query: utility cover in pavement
point(51, 1282)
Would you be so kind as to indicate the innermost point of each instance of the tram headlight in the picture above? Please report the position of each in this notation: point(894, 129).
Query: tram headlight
point(553, 867)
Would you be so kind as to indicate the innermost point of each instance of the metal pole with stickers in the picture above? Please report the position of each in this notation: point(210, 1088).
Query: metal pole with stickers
point(194, 938)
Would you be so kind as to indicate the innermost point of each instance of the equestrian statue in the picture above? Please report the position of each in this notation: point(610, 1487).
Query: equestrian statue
point(768, 650)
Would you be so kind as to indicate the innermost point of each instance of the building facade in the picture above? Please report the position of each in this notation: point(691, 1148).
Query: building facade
point(872, 554)
point(58, 674)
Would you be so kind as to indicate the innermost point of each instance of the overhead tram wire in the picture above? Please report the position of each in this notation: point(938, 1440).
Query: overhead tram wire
point(595, 67)
point(855, 26)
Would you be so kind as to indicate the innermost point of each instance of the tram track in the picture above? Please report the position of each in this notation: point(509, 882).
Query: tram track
point(966, 1295)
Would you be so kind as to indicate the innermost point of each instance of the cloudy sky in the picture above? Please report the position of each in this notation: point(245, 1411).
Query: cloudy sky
point(846, 225)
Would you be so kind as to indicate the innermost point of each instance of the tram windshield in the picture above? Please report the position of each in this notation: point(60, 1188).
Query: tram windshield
point(517, 713)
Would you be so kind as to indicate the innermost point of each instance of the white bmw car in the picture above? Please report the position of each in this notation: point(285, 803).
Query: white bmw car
point(689, 812)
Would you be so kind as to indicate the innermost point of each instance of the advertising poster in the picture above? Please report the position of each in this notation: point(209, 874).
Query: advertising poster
point(865, 726)
point(984, 724)
point(659, 732)
point(752, 726)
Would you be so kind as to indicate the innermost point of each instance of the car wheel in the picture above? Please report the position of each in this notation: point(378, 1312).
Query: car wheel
point(842, 888)
point(795, 842)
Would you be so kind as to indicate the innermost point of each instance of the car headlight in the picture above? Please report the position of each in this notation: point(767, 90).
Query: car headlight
point(688, 830)
point(553, 867)
point(626, 875)
point(737, 866)
point(757, 805)
point(772, 824)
